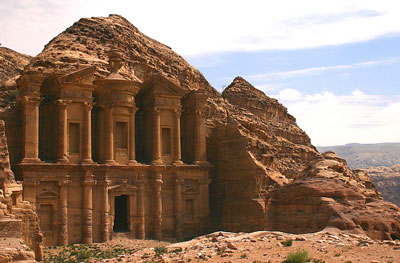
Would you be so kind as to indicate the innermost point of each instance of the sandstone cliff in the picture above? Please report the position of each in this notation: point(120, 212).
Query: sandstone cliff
point(387, 180)
point(266, 173)
point(19, 223)
point(11, 65)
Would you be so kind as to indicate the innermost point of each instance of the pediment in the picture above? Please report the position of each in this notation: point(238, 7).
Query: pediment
point(81, 76)
point(161, 85)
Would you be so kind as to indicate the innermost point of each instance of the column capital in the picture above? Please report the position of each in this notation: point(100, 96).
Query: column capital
point(104, 182)
point(134, 109)
point(30, 100)
point(89, 182)
point(177, 112)
point(88, 105)
point(64, 182)
point(158, 178)
point(179, 181)
point(62, 102)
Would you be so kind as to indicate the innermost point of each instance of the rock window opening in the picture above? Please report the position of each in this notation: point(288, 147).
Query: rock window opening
point(121, 135)
point(189, 209)
point(74, 138)
point(166, 141)
point(121, 214)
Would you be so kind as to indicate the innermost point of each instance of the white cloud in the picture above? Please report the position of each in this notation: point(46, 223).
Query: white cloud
point(198, 27)
point(330, 119)
point(318, 70)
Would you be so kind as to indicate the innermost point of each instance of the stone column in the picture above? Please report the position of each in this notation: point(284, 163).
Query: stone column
point(62, 151)
point(109, 143)
point(156, 137)
point(199, 138)
point(178, 207)
point(132, 157)
point(158, 206)
point(141, 211)
point(88, 208)
point(31, 129)
point(177, 137)
point(63, 212)
point(105, 211)
point(87, 133)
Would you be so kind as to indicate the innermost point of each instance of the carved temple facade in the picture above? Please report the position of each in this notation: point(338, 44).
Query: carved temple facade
point(113, 155)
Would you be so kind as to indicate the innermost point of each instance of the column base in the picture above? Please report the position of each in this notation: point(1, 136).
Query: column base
point(87, 161)
point(178, 162)
point(31, 160)
point(110, 162)
point(132, 162)
point(158, 161)
point(63, 160)
point(87, 241)
point(202, 163)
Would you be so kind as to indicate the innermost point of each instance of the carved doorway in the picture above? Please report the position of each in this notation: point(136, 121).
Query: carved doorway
point(121, 214)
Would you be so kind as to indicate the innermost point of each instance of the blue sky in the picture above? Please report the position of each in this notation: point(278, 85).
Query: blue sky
point(334, 64)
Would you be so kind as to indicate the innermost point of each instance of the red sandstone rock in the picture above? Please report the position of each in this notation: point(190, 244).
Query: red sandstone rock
point(255, 146)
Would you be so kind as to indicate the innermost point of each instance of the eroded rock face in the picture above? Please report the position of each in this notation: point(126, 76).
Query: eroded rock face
point(387, 181)
point(331, 195)
point(18, 219)
point(12, 64)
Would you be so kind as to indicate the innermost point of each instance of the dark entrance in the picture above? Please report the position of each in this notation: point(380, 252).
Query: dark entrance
point(121, 214)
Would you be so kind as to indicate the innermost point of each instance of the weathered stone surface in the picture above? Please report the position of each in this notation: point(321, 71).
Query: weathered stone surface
point(387, 181)
point(331, 195)
point(12, 64)
point(18, 219)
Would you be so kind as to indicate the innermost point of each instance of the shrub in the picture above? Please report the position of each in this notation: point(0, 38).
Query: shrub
point(300, 256)
point(161, 250)
point(287, 243)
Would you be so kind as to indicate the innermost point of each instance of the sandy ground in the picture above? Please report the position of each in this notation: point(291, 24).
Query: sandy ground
point(263, 246)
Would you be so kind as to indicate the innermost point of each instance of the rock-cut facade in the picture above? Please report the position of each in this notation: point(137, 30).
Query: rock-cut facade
point(103, 156)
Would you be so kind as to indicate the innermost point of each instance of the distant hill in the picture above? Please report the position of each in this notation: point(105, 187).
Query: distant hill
point(367, 155)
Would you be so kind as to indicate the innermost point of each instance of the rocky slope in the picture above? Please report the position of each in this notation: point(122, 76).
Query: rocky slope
point(367, 155)
point(266, 172)
point(387, 181)
point(12, 64)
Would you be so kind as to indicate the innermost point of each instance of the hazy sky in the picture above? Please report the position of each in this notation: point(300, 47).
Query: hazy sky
point(334, 64)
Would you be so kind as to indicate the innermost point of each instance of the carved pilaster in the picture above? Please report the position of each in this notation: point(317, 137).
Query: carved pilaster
point(105, 211)
point(63, 211)
point(133, 218)
point(88, 184)
point(141, 211)
point(178, 207)
point(30, 186)
point(158, 206)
